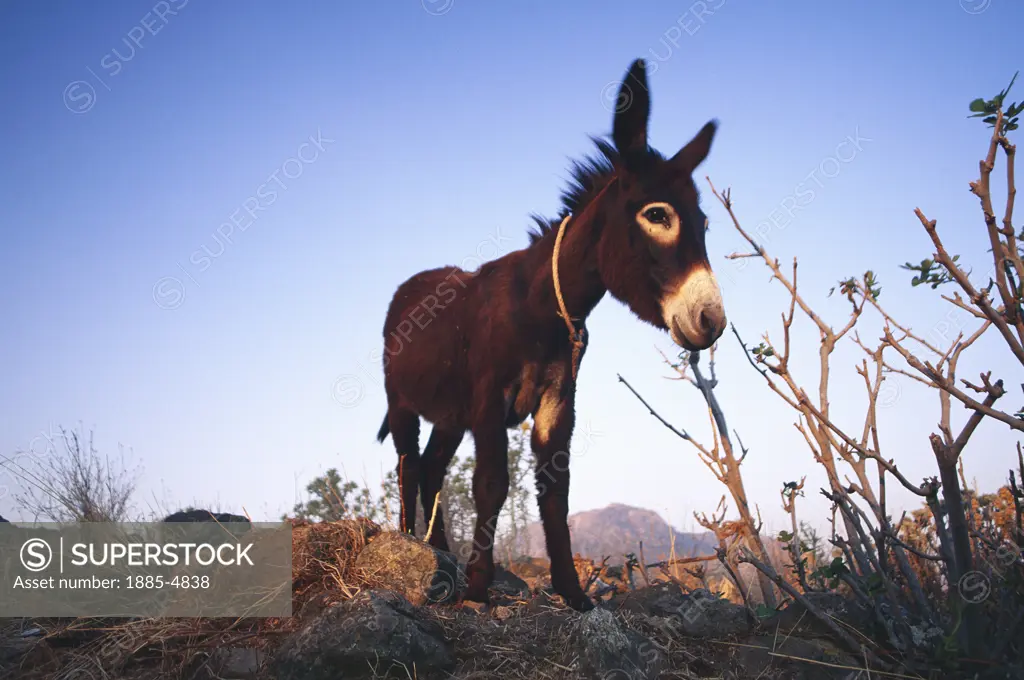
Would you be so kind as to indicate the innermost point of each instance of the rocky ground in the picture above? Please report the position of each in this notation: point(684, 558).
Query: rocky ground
point(373, 604)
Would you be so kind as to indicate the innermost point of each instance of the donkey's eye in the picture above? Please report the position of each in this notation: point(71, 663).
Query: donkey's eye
point(656, 215)
point(659, 221)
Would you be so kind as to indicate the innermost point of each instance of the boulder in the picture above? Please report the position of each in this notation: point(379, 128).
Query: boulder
point(704, 615)
point(662, 599)
point(205, 516)
point(508, 584)
point(373, 632)
point(610, 651)
point(212, 525)
point(235, 663)
point(696, 614)
point(422, 574)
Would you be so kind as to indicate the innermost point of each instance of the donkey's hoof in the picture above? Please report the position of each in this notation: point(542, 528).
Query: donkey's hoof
point(580, 602)
point(478, 607)
point(478, 595)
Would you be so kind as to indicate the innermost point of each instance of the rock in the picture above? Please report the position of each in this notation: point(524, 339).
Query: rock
point(205, 516)
point(375, 629)
point(238, 525)
point(610, 651)
point(1011, 672)
point(13, 648)
point(696, 614)
point(663, 599)
point(774, 655)
point(399, 562)
point(508, 584)
point(848, 611)
point(235, 663)
point(704, 615)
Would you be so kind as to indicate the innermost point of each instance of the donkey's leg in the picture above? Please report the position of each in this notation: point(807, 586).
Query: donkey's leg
point(490, 488)
point(440, 448)
point(405, 431)
point(553, 423)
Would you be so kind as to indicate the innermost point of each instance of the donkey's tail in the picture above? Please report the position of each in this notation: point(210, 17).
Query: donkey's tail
point(382, 433)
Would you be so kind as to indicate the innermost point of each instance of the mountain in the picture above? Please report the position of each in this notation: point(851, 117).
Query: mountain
point(618, 529)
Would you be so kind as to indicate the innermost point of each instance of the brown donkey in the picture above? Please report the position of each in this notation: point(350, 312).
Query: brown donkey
point(482, 351)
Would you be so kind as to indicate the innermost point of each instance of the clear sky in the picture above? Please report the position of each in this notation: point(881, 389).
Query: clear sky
point(382, 138)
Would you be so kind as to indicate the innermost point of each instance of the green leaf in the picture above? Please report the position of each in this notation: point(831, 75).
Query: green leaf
point(978, 105)
point(1007, 90)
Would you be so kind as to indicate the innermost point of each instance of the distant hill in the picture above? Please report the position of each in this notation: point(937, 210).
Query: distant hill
point(618, 529)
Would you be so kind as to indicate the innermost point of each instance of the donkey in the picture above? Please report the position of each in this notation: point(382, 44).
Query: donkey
point(482, 351)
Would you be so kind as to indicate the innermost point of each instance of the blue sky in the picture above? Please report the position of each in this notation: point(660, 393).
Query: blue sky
point(145, 301)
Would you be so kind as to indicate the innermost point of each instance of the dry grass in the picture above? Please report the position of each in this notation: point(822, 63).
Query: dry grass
point(95, 648)
point(525, 639)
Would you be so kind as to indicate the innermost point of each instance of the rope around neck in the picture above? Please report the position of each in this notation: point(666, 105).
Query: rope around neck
point(575, 335)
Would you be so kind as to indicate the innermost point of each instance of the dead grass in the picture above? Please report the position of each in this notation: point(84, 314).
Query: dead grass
point(525, 639)
point(323, 571)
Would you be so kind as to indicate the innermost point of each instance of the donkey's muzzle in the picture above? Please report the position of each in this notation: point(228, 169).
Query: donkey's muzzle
point(701, 331)
point(695, 314)
point(710, 323)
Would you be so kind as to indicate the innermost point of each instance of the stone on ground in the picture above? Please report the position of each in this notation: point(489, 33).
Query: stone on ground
point(374, 630)
point(609, 650)
point(398, 561)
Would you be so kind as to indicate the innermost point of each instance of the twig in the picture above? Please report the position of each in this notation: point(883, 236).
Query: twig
point(654, 413)
point(433, 515)
point(642, 566)
point(721, 555)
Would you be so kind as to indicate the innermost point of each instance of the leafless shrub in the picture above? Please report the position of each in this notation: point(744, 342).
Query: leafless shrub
point(73, 482)
point(948, 583)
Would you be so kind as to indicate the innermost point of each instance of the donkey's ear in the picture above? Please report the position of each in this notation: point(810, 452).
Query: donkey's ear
point(696, 150)
point(632, 108)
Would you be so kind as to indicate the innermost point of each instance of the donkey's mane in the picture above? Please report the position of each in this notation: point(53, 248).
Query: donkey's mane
point(587, 178)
